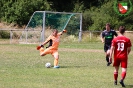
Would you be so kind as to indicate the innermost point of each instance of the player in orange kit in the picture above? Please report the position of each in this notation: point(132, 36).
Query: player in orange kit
point(52, 49)
point(121, 46)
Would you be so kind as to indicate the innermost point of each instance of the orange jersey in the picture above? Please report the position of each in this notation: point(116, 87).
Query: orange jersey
point(54, 41)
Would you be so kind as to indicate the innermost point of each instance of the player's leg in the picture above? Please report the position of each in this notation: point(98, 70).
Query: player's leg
point(123, 75)
point(41, 49)
point(116, 65)
point(116, 74)
point(105, 50)
point(108, 54)
point(107, 57)
point(124, 71)
point(45, 52)
point(56, 59)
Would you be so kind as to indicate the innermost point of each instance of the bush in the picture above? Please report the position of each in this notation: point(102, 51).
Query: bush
point(4, 34)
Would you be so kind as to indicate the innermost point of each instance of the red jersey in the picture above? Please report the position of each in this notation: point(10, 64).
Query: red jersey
point(121, 43)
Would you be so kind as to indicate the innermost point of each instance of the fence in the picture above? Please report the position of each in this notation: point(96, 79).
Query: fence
point(95, 35)
point(13, 36)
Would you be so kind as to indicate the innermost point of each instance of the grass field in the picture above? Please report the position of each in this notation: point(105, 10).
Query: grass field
point(82, 65)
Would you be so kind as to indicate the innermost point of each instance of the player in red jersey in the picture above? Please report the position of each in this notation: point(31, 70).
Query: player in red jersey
point(121, 46)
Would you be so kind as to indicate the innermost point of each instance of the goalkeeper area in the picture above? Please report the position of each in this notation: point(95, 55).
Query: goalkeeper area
point(42, 23)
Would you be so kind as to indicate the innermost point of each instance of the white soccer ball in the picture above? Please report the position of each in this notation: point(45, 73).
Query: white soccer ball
point(48, 65)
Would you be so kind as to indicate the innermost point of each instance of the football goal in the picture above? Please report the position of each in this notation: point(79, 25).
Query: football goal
point(42, 22)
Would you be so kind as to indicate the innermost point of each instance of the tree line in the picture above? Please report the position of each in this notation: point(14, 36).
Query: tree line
point(96, 13)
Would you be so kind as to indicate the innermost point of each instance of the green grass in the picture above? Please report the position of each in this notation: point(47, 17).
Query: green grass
point(82, 65)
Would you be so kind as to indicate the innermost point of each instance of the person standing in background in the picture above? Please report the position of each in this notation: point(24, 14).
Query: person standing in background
point(106, 37)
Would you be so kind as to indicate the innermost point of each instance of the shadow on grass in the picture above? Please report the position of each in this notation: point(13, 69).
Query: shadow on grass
point(129, 86)
point(73, 66)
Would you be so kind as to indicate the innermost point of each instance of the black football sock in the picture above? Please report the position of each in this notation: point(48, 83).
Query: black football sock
point(107, 59)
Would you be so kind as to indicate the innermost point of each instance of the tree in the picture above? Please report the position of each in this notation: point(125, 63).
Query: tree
point(19, 11)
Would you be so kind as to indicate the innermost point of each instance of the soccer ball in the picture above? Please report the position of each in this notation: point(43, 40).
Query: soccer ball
point(48, 65)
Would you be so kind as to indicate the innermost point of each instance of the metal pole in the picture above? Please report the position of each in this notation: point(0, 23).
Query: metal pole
point(59, 12)
point(43, 28)
point(80, 31)
point(67, 21)
point(25, 29)
point(90, 35)
point(10, 36)
point(26, 36)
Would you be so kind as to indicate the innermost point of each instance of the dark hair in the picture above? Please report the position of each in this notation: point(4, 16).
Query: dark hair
point(108, 24)
point(122, 29)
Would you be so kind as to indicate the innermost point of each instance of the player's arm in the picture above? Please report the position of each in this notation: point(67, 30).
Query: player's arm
point(128, 50)
point(112, 50)
point(46, 41)
point(64, 31)
point(102, 37)
point(111, 53)
point(115, 33)
point(129, 46)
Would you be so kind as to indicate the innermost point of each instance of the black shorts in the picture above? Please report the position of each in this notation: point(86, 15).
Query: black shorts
point(107, 47)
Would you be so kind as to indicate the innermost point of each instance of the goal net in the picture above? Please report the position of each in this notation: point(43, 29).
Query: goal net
point(42, 22)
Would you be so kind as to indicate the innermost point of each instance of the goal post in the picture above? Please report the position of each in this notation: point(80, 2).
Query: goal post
point(41, 22)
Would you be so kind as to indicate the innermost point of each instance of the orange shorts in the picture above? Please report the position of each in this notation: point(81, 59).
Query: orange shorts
point(50, 51)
